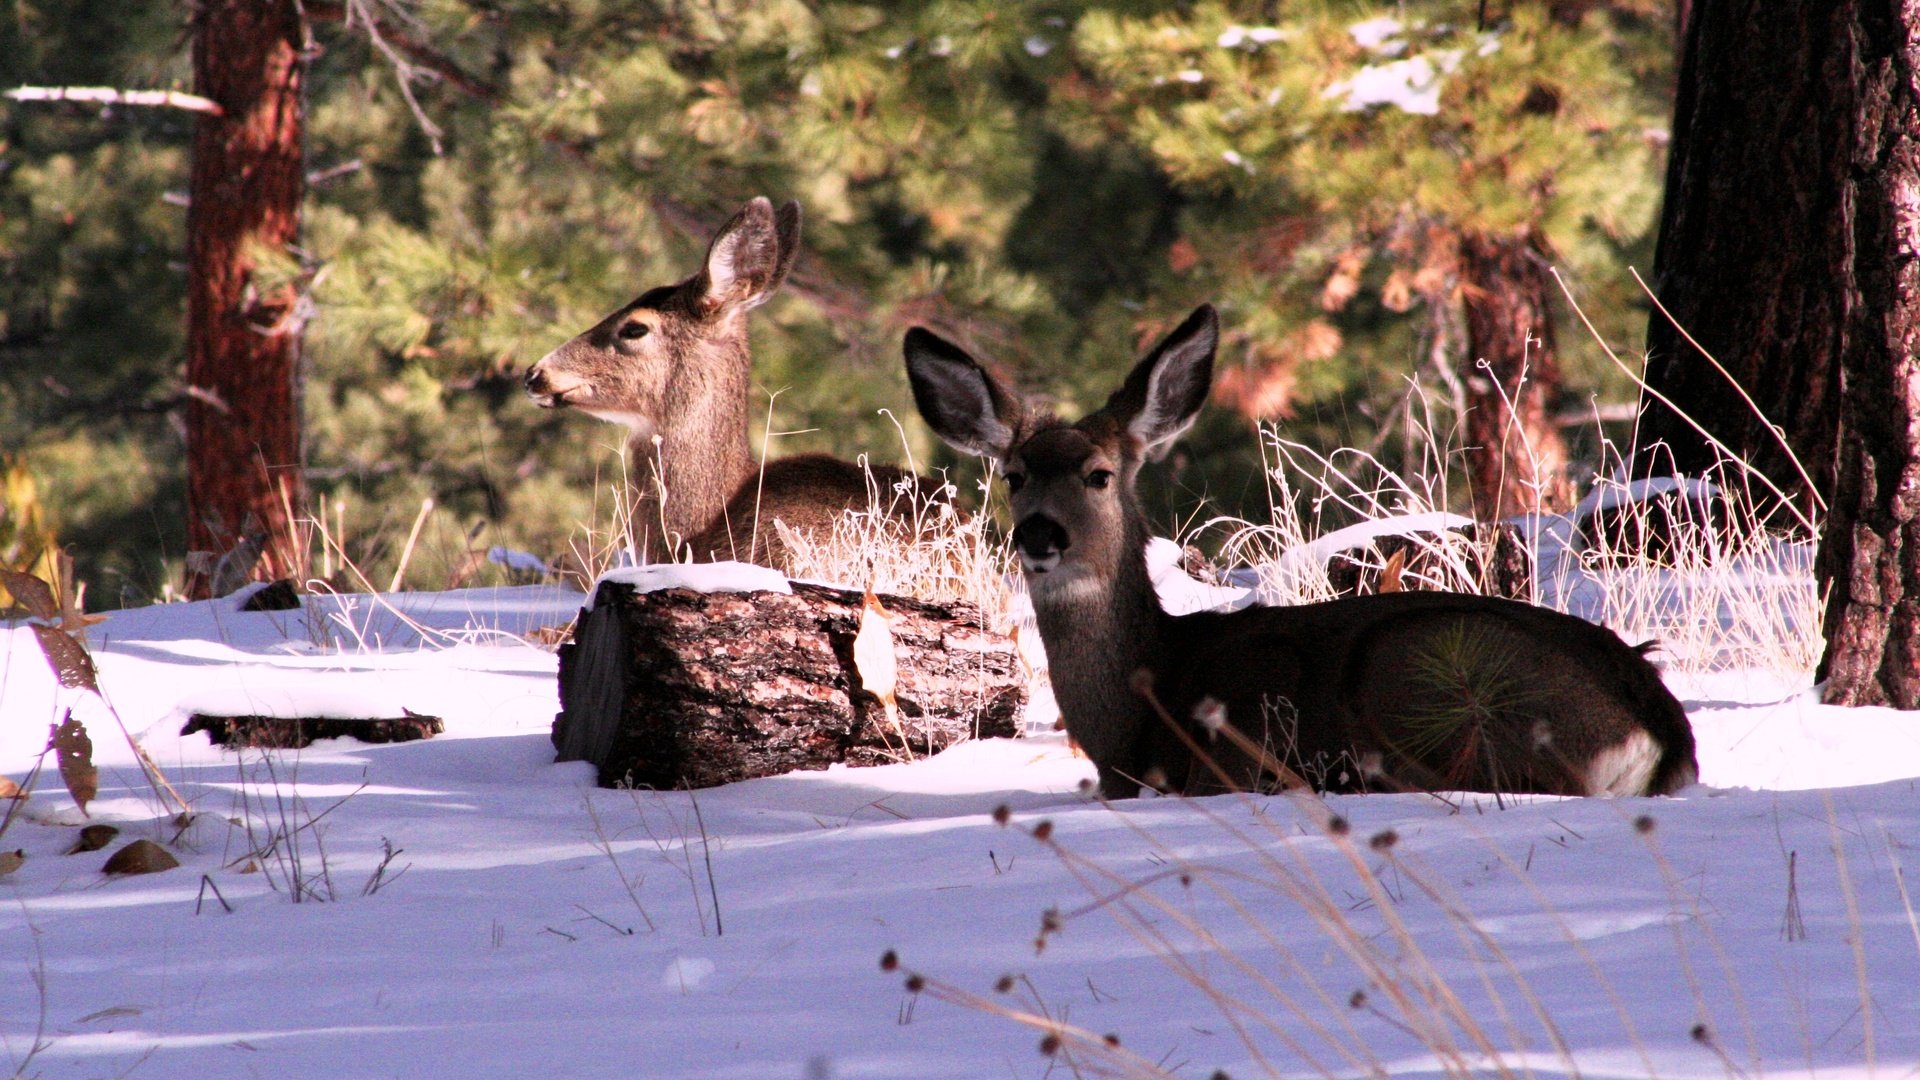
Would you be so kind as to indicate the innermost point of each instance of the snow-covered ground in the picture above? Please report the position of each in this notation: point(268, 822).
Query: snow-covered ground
point(533, 924)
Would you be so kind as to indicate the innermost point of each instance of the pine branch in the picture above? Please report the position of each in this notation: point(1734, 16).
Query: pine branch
point(418, 53)
point(839, 301)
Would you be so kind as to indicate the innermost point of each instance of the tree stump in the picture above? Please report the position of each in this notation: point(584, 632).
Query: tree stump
point(677, 688)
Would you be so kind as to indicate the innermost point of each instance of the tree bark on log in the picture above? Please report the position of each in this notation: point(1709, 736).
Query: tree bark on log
point(677, 688)
point(243, 343)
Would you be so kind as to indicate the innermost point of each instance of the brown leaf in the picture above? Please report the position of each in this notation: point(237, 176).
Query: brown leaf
point(140, 857)
point(1182, 256)
point(30, 593)
point(93, 838)
point(11, 860)
point(70, 660)
point(1390, 573)
point(73, 620)
point(1344, 283)
point(75, 751)
point(9, 789)
point(1397, 293)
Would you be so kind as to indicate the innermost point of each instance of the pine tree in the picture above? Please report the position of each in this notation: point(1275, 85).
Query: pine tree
point(243, 340)
point(1415, 155)
point(1046, 182)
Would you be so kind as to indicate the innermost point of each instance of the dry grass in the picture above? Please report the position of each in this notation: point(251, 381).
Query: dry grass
point(910, 545)
point(1406, 971)
point(1710, 579)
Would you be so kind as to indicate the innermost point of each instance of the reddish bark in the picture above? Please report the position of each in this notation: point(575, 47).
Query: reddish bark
point(1516, 459)
point(243, 344)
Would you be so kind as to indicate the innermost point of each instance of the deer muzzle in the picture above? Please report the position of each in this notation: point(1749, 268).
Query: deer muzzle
point(550, 390)
point(1040, 541)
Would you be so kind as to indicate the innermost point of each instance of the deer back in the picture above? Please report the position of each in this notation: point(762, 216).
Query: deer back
point(805, 494)
point(1421, 691)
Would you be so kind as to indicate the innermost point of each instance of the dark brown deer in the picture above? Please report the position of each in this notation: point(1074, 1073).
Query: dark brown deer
point(674, 368)
point(1404, 690)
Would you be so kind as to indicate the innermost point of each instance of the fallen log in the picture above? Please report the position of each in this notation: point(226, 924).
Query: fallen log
point(299, 732)
point(677, 688)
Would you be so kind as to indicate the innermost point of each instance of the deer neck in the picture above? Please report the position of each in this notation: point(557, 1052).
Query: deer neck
point(685, 466)
point(1098, 633)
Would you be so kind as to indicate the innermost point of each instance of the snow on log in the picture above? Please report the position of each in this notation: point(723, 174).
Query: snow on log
point(681, 688)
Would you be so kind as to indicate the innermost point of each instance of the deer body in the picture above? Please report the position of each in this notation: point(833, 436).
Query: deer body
point(1403, 690)
point(674, 367)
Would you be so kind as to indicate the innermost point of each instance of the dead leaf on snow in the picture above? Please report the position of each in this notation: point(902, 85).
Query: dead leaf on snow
point(140, 857)
point(11, 860)
point(75, 752)
point(93, 838)
point(69, 658)
point(9, 789)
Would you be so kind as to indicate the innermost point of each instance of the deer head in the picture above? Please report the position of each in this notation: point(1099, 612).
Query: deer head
point(635, 366)
point(1077, 521)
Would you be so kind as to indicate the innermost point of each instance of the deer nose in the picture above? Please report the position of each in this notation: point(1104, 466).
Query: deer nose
point(536, 380)
point(1040, 540)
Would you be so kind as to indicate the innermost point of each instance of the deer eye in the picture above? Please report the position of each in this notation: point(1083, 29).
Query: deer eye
point(1099, 478)
point(1016, 481)
point(634, 331)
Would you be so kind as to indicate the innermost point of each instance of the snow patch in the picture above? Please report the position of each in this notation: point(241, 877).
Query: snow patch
point(1411, 85)
point(1299, 562)
point(686, 973)
point(1180, 593)
point(520, 561)
point(1380, 35)
point(1611, 496)
point(1248, 37)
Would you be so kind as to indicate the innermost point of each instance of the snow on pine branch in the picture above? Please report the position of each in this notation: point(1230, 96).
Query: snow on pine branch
point(107, 95)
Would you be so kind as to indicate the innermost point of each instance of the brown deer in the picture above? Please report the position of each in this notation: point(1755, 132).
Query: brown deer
point(1402, 690)
point(673, 366)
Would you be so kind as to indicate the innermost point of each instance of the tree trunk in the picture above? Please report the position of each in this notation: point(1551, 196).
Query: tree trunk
point(1755, 251)
point(676, 688)
point(1516, 459)
point(243, 344)
point(1869, 556)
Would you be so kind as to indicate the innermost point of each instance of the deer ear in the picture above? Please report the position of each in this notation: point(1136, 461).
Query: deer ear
point(786, 230)
point(963, 404)
point(1164, 392)
point(748, 259)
